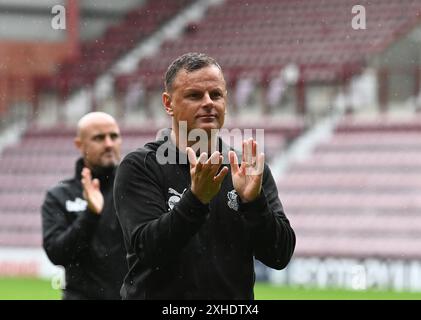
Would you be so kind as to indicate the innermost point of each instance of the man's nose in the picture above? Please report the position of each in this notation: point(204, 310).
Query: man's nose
point(207, 100)
point(108, 141)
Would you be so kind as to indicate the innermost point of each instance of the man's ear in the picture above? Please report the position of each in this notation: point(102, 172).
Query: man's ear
point(166, 101)
point(78, 143)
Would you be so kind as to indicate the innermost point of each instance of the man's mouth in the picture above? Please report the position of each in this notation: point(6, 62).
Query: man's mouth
point(108, 154)
point(207, 116)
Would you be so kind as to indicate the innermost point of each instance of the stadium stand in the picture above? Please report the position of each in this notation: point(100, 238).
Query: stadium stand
point(40, 160)
point(355, 196)
point(45, 156)
point(315, 37)
point(358, 194)
point(97, 55)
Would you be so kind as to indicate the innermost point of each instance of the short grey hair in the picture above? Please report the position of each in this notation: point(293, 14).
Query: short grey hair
point(190, 62)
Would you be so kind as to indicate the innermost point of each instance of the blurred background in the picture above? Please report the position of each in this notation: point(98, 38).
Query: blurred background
point(335, 84)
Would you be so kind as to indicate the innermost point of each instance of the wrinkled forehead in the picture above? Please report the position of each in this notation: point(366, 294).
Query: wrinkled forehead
point(210, 76)
point(99, 127)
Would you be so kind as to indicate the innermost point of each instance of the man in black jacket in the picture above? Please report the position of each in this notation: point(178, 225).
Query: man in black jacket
point(80, 228)
point(192, 227)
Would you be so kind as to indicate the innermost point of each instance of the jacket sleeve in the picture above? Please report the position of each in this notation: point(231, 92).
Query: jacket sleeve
point(153, 233)
point(272, 236)
point(64, 241)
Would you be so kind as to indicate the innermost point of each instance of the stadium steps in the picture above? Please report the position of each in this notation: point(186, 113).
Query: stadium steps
point(359, 193)
point(317, 37)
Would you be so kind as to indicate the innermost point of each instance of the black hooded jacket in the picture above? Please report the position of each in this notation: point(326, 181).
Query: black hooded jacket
point(89, 246)
point(179, 248)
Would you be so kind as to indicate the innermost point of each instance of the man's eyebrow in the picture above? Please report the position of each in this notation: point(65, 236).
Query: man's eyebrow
point(192, 89)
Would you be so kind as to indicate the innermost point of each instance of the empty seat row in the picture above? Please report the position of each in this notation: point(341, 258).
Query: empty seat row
point(400, 247)
point(358, 194)
point(98, 55)
point(284, 32)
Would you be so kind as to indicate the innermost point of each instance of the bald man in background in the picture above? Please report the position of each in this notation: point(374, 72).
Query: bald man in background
point(80, 227)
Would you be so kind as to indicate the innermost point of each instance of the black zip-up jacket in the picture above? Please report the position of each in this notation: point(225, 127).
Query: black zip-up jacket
point(89, 246)
point(179, 248)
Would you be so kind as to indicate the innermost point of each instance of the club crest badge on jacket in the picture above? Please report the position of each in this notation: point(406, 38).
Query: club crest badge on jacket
point(77, 205)
point(176, 196)
point(233, 200)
